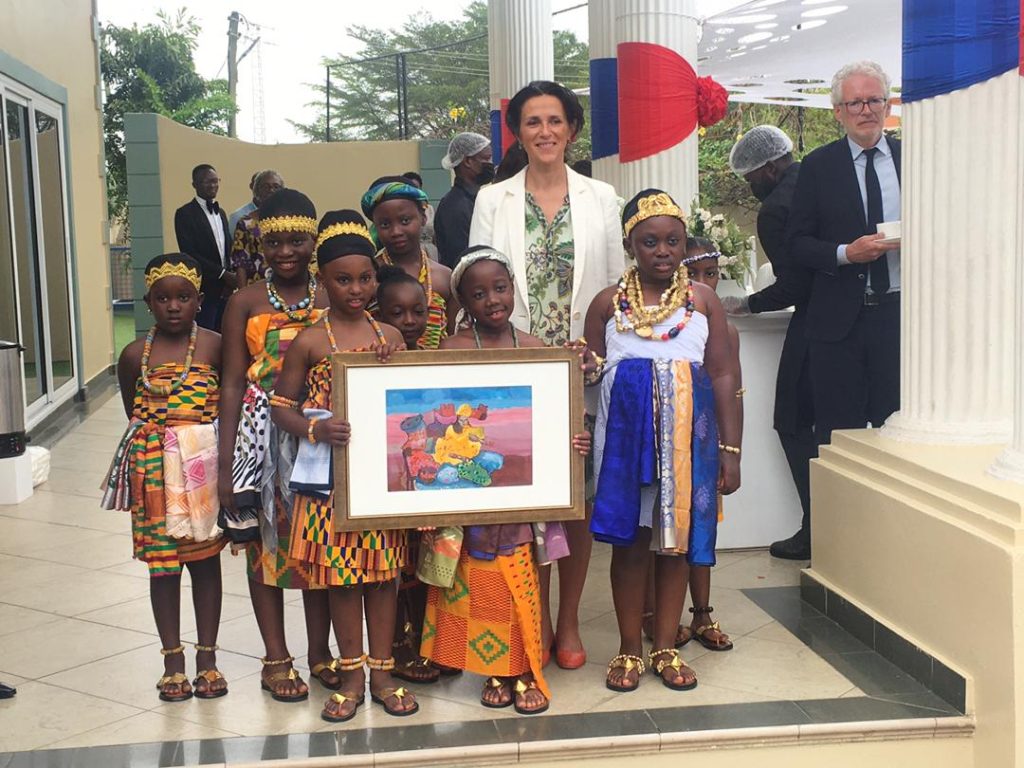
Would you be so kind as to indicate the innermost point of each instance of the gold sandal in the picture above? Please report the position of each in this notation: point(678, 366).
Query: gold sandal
point(179, 679)
point(496, 683)
point(317, 670)
point(267, 684)
point(400, 693)
point(211, 676)
point(676, 663)
point(521, 687)
point(628, 662)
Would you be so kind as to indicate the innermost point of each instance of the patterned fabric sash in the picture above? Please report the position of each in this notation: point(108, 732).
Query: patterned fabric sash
point(661, 429)
point(190, 482)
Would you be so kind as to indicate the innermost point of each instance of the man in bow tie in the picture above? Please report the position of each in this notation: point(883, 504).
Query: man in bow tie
point(201, 228)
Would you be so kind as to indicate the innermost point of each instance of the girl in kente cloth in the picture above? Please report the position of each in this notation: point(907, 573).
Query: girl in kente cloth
point(398, 211)
point(667, 436)
point(402, 303)
point(260, 322)
point(360, 567)
point(496, 592)
point(165, 469)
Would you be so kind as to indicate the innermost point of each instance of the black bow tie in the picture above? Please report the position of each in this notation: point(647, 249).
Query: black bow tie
point(213, 207)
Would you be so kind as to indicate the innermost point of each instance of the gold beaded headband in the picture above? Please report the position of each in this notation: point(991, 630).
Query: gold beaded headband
point(343, 228)
point(172, 270)
point(653, 205)
point(305, 224)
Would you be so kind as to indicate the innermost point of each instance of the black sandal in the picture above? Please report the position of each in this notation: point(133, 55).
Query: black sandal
point(700, 632)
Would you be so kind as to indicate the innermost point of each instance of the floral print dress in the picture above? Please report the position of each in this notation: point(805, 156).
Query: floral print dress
point(549, 264)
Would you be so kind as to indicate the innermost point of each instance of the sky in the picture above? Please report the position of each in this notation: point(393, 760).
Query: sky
point(294, 43)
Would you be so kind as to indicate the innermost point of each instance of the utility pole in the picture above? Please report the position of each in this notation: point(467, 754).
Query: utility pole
point(232, 68)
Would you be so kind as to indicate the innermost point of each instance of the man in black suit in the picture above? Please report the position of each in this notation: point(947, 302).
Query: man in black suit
point(844, 190)
point(764, 157)
point(201, 229)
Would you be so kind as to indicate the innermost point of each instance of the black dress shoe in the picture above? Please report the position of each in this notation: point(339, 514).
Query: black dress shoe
point(6, 691)
point(796, 547)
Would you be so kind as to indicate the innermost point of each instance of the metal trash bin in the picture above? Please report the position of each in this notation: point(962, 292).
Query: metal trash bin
point(12, 401)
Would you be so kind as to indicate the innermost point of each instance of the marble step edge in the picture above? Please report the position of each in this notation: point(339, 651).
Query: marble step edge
point(640, 744)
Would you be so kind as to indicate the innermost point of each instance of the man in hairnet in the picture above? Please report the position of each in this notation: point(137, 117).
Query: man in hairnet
point(764, 158)
point(469, 155)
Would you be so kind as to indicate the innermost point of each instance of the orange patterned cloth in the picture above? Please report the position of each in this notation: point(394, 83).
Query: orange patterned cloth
point(268, 337)
point(488, 621)
point(192, 404)
point(340, 558)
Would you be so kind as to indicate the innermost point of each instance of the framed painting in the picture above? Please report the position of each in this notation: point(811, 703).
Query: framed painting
point(458, 437)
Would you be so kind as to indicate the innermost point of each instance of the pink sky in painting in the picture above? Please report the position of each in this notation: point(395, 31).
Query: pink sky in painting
point(507, 431)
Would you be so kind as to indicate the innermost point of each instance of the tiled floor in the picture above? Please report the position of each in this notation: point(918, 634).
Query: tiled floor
point(78, 639)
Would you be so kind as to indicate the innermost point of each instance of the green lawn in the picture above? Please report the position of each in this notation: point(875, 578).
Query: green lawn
point(124, 328)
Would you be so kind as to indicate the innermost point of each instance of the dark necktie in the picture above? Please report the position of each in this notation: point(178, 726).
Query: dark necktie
point(879, 267)
point(214, 207)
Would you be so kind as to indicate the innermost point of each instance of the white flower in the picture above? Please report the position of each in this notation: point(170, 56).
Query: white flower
point(705, 215)
point(718, 218)
point(719, 233)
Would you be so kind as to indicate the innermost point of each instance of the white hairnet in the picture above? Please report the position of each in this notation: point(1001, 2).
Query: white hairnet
point(757, 147)
point(462, 146)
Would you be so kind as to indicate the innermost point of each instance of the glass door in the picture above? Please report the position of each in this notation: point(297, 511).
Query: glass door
point(35, 274)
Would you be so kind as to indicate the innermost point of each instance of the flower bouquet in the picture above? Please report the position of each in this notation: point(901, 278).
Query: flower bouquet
point(737, 249)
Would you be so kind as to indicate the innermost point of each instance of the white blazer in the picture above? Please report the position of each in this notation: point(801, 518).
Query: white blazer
point(499, 220)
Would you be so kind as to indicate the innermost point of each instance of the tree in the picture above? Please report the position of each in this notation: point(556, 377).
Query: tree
point(151, 69)
point(447, 88)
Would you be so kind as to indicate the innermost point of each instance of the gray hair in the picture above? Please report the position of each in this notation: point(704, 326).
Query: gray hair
point(869, 68)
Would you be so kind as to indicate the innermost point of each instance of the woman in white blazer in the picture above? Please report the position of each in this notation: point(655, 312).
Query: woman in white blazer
point(582, 255)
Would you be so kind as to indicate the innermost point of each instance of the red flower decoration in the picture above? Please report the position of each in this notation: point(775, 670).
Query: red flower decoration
point(712, 102)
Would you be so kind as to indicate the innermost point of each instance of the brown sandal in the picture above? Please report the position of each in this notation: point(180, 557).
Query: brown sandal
point(700, 632)
point(521, 687)
point(179, 679)
point(628, 662)
point(676, 663)
point(401, 693)
point(267, 684)
point(209, 676)
point(494, 684)
point(317, 671)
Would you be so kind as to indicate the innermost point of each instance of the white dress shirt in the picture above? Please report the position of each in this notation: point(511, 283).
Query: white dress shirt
point(889, 181)
point(218, 231)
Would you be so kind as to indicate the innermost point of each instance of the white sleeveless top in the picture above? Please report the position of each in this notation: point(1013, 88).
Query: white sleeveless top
point(688, 345)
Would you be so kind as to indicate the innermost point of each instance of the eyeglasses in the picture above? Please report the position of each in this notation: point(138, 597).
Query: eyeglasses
point(857, 106)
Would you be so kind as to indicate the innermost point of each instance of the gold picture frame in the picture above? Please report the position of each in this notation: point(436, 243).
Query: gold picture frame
point(534, 396)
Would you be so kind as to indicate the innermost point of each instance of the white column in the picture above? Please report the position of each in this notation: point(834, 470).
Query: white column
point(601, 19)
point(1010, 465)
point(497, 69)
point(960, 211)
point(673, 24)
point(529, 43)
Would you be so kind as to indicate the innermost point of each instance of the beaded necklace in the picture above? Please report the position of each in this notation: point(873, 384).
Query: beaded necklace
point(296, 312)
point(424, 275)
point(373, 324)
point(147, 348)
point(629, 301)
point(515, 337)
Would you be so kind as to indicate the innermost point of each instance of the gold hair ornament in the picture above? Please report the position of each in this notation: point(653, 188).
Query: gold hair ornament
point(173, 270)
point(305, 224)
point(653, 205)
point(343, 228)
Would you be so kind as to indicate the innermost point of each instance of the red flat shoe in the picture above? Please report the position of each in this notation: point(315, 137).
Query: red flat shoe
point(570, 659)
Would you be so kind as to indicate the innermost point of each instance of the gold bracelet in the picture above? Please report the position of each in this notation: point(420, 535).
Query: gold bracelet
point(594, 376)
point(741, 392)
point(729, 448)
point(280, 401)
point(309, 431)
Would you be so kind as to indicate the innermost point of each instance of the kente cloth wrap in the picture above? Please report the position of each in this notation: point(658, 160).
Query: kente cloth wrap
point(488, 621)
point(183, 421)
point(263, 456)
point(340, 558)
point(247, 249)
point(656, 443)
